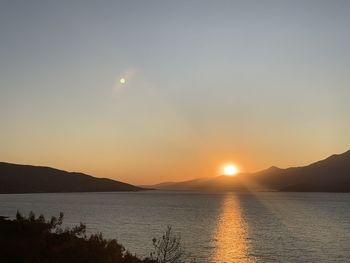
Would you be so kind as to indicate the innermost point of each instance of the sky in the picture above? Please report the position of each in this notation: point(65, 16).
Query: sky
point(255, 83)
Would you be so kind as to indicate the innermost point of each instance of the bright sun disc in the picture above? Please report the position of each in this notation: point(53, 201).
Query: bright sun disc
point(122, 81)
point(230, 170)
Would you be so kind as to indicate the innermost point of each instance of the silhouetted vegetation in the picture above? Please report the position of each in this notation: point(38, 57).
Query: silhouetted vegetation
point(37, 240)
point(168, 249)
point(33, 239)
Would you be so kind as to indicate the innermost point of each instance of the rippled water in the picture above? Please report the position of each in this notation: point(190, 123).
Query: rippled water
point(226, 227)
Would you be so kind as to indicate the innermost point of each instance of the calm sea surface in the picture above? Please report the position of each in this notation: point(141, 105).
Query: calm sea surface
point(225, 227)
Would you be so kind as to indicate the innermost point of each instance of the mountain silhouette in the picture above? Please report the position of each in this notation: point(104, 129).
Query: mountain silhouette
point(329, 175)
point(219, 183)
point(16, 178)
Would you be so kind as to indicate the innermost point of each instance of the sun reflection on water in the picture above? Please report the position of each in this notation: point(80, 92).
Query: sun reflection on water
point(230, 237)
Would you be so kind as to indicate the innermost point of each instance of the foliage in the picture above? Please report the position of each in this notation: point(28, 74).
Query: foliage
point(168, 249)
point(30, 239)
point(37, 240)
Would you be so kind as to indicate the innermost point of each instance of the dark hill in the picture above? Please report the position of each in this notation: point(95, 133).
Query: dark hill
point(15, 178)
point(219, 183)
point(329, 175)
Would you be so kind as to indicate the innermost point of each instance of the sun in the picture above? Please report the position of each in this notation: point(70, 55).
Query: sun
point(122, 81)
point(230, 170)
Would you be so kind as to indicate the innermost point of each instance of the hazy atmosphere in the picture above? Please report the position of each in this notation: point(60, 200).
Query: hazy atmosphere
point(151, 91)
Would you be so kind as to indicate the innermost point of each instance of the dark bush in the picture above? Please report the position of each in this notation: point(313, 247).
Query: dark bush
point(35, 240)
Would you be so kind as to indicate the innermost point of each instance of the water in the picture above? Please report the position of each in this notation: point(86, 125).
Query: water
point(225, 227)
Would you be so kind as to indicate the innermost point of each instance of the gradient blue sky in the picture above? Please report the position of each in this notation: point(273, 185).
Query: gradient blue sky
point(257, 83)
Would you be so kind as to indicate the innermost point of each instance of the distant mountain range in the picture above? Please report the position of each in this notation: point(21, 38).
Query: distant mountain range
point(15, 178)
point(329, 175)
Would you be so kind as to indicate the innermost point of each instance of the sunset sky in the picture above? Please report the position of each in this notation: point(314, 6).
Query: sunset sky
point(256, 83)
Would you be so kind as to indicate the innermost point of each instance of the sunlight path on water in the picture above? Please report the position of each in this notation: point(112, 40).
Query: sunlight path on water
point(231, 233)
